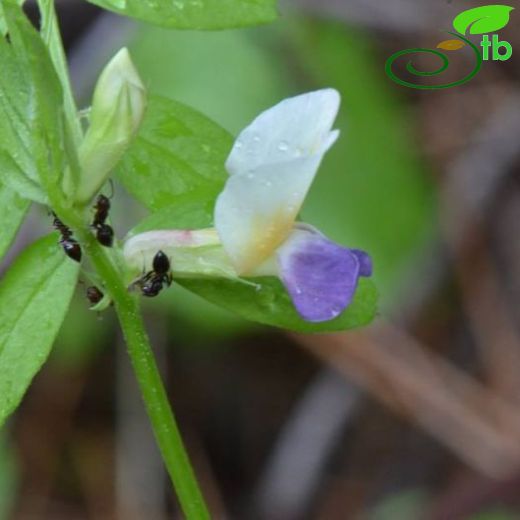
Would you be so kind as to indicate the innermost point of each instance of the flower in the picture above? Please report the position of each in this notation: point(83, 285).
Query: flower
point(271, 168)
point(118, 107)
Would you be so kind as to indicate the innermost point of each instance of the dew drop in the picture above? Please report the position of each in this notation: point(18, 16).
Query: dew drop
point(335, 311)
point(256, 138)
point(239, 144)
point(283, 146)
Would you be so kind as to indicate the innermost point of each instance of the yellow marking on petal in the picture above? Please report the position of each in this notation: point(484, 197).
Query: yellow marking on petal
point(266, 238)
point(451, 45)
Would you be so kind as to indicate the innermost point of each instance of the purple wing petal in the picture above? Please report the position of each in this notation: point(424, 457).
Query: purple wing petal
point(319, 275)
point(365, 262)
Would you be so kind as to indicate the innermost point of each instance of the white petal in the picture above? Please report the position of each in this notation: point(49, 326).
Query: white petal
point(271, 173)
point(295, 127)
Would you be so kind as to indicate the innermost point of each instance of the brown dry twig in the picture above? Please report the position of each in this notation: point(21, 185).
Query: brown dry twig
point(479, 426)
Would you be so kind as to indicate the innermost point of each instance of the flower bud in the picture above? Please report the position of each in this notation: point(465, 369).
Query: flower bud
point(117, 111)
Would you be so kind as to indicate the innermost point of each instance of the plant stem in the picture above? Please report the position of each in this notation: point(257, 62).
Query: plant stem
point(127, 305)
point(154, 395)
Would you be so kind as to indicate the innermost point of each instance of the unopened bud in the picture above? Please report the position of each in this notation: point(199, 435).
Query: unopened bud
point(117, 111)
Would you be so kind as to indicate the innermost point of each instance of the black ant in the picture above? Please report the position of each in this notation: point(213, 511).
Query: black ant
point(70, 245)
point(104, 232)
point(94, 295)
point(152, 283)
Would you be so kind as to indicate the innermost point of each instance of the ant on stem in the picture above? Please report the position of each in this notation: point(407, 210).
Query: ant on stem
point(70, 245)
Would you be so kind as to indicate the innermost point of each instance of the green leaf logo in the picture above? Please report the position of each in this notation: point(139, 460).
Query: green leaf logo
point(481, 20)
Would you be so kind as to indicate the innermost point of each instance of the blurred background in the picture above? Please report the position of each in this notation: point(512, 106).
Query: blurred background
point(415, 417)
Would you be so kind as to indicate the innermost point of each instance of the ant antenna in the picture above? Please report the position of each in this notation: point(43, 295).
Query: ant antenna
point(111, 183)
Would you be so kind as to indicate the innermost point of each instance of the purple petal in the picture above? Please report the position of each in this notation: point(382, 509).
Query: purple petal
point(319, 275)
point(365, 262)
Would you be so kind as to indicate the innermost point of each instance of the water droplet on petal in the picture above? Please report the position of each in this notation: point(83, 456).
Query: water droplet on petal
point(283, 146)
point(256, 139)
point(336, 311)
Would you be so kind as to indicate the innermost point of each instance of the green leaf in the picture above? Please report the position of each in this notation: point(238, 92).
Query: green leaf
point(194, 215)
point(34, 298)
point(3, 24)
point(484, 19)
point(13, 177)
point(12, 212)
point(33, 131)
point(269, 303)
point(195, 14)
point(177, 157)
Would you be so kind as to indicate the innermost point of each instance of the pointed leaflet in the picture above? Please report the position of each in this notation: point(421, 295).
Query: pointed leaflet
point(484, 19)
point(34, 297)
point(195, 14)
point(32, 105)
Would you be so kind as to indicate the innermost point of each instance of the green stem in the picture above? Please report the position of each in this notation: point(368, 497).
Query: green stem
point(127, 305)
point(154, 395)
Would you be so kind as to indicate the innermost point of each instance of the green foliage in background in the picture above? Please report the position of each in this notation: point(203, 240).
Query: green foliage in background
point(195, 14)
